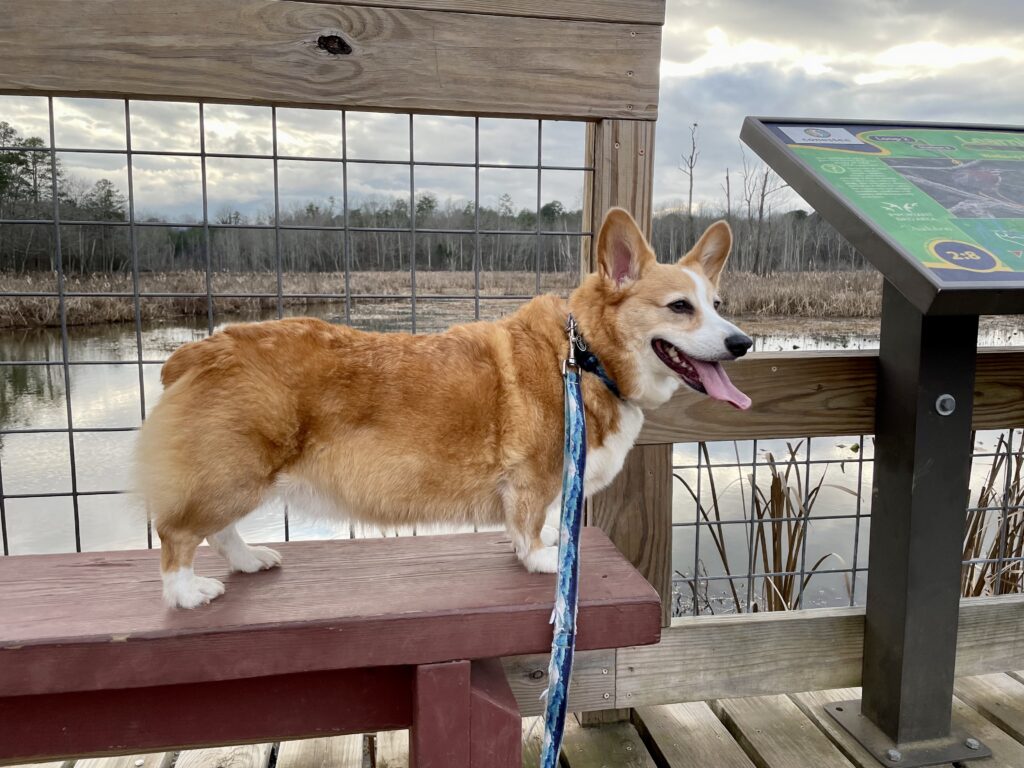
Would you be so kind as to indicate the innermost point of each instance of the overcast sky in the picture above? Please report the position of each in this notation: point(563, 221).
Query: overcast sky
point(721, 60)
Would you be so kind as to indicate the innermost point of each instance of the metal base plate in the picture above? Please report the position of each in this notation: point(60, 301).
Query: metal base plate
point(916, 754)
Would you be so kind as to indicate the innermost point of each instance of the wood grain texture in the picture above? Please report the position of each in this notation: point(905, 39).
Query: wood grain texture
point(771, 653)
point(592, 686)
point(636, 513)
point(998, 697)
point(800, 394)
point(331, 752)
point(266, 52)
point(776, 734)
point(533, 739)
point(96, 621)
point(392, 749)
point(689, 736)
point(154, 760)
point(243, 756)
point(626, 11)
point(621, 153)
point(616, 745)
point(1007, 752)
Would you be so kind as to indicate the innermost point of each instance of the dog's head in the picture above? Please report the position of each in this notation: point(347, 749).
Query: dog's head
point(665, 316)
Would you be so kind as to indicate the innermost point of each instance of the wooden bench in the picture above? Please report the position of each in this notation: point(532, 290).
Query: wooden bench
point(346, 637)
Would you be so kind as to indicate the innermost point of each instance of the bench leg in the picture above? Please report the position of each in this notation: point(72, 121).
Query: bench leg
point(497, 727)
point(440, 733)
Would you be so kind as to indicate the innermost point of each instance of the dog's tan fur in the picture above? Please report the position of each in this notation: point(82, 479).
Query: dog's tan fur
point(396, 429)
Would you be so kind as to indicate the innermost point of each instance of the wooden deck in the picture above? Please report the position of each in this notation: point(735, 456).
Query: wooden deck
point(763, 732)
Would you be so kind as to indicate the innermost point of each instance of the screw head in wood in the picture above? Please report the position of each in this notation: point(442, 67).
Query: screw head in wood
point(972, 743)
point(945, 405)
point(893, 755)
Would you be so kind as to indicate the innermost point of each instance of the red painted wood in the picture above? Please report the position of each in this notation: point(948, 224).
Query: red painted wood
point(440, 733)
point(96, 621)
point(496, 725)
point(50, 726)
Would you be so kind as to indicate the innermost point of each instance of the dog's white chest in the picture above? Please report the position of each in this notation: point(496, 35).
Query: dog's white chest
point(604, 463)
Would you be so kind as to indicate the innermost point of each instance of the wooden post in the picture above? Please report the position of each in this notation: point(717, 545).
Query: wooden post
point(440, 733)
point(636, 509)
point(496, 727)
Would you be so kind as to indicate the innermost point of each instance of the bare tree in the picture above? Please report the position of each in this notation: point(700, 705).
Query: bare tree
point(727, 188)
point(688, 164)
point(759, 184)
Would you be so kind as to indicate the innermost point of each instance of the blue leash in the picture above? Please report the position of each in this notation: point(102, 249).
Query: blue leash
point(563, 645)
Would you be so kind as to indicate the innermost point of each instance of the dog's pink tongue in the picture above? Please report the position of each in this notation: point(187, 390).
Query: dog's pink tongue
point(718, 386)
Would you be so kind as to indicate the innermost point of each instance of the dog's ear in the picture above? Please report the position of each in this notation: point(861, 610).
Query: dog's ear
point(711, 251)
point(622, 251)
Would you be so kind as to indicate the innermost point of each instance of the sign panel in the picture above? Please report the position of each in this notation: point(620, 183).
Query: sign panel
point(948, 199)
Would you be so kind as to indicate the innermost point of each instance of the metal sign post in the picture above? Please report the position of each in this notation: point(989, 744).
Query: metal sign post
point(918, 514)
point(939, 209)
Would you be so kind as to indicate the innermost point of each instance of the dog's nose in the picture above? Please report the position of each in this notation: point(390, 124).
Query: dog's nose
point(738, 344)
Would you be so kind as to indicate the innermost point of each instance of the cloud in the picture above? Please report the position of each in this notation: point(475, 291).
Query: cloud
point(914, 60)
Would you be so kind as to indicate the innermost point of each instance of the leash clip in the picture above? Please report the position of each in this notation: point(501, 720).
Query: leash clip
point(575, 343)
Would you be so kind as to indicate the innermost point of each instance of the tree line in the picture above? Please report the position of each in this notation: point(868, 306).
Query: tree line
point(765, 240)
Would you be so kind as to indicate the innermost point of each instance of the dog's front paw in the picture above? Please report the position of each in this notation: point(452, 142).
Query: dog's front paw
point(549, 535)
point(542, 560)
point(183, 589)
point(252, 559)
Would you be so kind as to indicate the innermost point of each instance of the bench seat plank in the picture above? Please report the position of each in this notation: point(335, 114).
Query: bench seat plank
point(96, 621)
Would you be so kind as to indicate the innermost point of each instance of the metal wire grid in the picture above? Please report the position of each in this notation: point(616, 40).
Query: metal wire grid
point(210, 295)
point(693, 585)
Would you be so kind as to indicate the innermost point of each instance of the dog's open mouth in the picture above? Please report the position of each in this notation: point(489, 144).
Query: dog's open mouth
point(707, 377)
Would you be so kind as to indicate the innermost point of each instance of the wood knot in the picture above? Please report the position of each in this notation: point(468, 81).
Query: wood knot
point(334, 45)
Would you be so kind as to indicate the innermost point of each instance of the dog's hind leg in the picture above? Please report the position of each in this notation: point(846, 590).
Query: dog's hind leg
point(181, 587)
point(525, 512)
point(241, 556)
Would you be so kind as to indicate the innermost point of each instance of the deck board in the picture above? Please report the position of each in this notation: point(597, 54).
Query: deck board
point(689, 736)
point(332, 752)
point(1007, 752)
point(999, 698)
point(242, 756)
point(393, 749)
point(776, 734)
point(616, 744)
point(152, 760)
point(533, 737)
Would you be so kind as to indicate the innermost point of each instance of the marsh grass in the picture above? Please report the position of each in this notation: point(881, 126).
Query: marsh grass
point(779, 517)
point(183, 294)
point(994, 538)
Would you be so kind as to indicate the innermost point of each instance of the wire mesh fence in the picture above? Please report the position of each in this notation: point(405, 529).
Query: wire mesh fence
point(781, 525)
point(129, 227)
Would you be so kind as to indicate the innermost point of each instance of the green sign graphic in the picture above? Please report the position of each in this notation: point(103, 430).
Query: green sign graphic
point(951, 198)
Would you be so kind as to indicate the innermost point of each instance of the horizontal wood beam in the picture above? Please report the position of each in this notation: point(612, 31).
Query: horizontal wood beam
point(802, 394)
point(626, 11)
point(772, 653)
point(592, 686)
point(331, 55)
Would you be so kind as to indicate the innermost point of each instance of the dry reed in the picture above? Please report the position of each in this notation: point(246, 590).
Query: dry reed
point(994, 541)
point(794, 294)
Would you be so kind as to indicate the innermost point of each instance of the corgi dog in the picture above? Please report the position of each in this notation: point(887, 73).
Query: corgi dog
point(394, 429)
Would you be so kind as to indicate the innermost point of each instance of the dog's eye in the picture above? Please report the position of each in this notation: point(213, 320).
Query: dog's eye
point(718, 303)
point(681, 307)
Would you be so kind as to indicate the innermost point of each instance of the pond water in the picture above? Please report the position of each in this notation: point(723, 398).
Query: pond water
point(110, 389)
